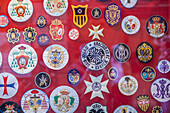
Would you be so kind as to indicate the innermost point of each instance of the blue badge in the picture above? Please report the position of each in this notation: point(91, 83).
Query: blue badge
point(29, 34)
point(73, 77)
point(43, 39)
point(148, 73)
point(112, 73)
point(41, 21)
point(3, 21)
point(13, 35)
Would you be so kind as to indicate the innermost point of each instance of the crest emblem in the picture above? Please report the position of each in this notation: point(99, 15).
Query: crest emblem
point(73, 77)
point(96, 32)
point(20, 10)
point(80, 15)
point(96, 86)
point(128, 3)
point(112, 73)
point(160, 89)
point(0, 59)
point(112, 14)
point(64, 99)
point(29, 34)
point(125, 109)
point(55, 57)
point(41, 21)
point(157, 109)
point(148, 73)
point(96, 13)
point(144, 52)
point(35, 101)
point(43, 39)
point(156, 26)
point(164, 66)
point(96, 108)
point(8, 85)
point(122, 53)
point(13, 35)
point(55, 7)
point(95, 55)
point(128, 85)
point(143, 102)
point(74, 34)
point(22, 59)
point(3, 21)
point(56, 30)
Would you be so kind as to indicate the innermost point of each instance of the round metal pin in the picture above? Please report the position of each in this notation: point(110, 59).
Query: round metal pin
point(164, 66)
point(43, 39)
point(96, 12)
point(128, 3)
point(148, 73)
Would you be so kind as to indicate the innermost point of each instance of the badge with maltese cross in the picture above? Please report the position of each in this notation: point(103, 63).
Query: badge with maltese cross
point(96, 32)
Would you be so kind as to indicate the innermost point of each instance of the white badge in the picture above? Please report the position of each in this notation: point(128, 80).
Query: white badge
point(128, 3)
point(125, 109)
point(0, 59)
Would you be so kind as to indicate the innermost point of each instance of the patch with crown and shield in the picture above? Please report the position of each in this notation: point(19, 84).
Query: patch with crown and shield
point(160, 89)
point(95, 55)
point(144, 52)
point(130, 24)
point(64, 99)
point(148, 73)
point(164, 66)
point(41, 21)
point(3, 21)
point(22, 59)
point(157, 109)
point(143, 102)
point(121, 52)
point(43, 39)
point(125, 109)
point(13, 35)
point(8, 85)
point(42, 80)
point(73, 77)
point(112, 73)
point(10, 107)
point(96, 108)
point(73, 34)
point(112, 14)
point(96, 12)
point(29, 34)
point(55, 7)
point(128, 85)
point(80, 15)
point(35, 101)
point(55, 57)
point(20, 10)
point(56, 29)
point(156, 26)
point(128, 3)
point(0, 59)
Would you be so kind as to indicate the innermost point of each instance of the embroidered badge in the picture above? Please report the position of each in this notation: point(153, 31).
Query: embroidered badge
point(112, 73)
point(95, 55)
point(125, 109)
point(143, 102)
point(43, 39)
point(73, 34)
point(55, 7)
point(29, 34)
point(148, 73)
point(56, 29)
point(96, 86)
point(157, 109)
point(41, 21)
point(112, 14)
point(96, 108)
point(64, 99)
point(128, 85)
point(80, 15)
point(13, 35)
point(156, 26)
point(164, 66)
point(22, 59)
point(96, 32)
point(3, 21)
point(0, 59)
point(122, 52)
point(128, 3)
point(20, 10)
point(8, 85)
point(35, 101)
point(160, 89)
point(144, 52)
point(55, 57)
point(96, 13)
point(73, 77)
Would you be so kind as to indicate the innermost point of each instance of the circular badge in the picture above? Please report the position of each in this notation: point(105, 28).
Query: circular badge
point(41, 21)
point(122, 52)
point(128, 3)
point(64, 99)
point(55, 57)
point(20, 10)
point(74, 34)
point(144, 52)
point(126, 109)
point(96, 12)
point(22, 59)
point(10, 107)
point(148, 73)
point(96, 108)
point(42, 80)
point(35, 101)
point(156, 26)
point(4, 21)
point(8, 85)
point(112, 73)
point(0, 59)
point(73, 77)
point(43, 39)
point(157, 109)
point(55, 7)
point(128, 85)
point(164, 66)
point(112, 14)
point(95, 55)
point(130, 24)
point(160, 89)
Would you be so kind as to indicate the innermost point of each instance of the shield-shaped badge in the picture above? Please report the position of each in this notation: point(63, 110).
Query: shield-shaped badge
point(80, 15)
point(143, 102)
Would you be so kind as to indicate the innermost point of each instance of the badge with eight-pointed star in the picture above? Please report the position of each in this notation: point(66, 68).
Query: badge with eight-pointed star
point(96, 32)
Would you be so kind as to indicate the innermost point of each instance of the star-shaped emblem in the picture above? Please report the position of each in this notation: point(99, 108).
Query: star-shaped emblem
point(96, 86)
point(96, 32)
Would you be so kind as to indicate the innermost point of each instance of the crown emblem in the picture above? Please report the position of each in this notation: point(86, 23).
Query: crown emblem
point(141, 97)
point(156, 19)
point(113, 7)
point(64, 92)
point(9, 107)
point(56, 22)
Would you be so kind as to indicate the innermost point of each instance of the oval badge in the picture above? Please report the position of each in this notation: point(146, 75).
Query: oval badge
point(41, 21)
point(43, 39)
point(3, 21)
point(73, 77)
point(128, 3)
point(148, 73)
point(112, 73)
point(164, 66)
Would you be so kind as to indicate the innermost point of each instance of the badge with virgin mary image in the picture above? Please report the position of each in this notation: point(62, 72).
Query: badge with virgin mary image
point(13, 35)
point(29, 34)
